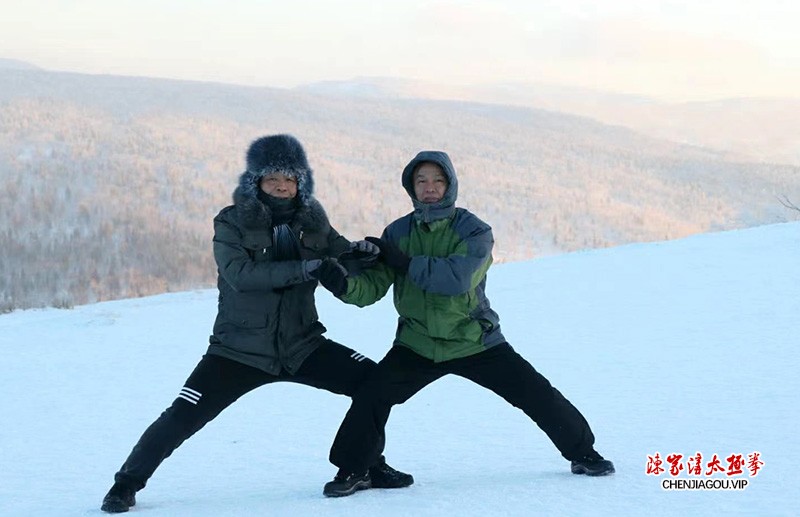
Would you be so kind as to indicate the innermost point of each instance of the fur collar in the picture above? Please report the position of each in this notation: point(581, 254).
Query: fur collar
point(255, 215)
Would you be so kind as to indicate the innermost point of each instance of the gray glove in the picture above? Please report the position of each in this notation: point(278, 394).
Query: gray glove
point(309, 267)
point(365, 247)
point(360, 256)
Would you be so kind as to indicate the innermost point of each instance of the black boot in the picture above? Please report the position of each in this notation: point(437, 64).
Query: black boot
point(592, 465)
point(346, 484)
point(119, 499)
point(384, 476)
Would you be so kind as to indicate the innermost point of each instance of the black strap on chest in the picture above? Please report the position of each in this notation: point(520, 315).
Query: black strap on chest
point(285, 243)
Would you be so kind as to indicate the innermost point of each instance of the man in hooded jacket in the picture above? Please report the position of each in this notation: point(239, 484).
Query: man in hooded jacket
point(271, 247)
point(437, 258)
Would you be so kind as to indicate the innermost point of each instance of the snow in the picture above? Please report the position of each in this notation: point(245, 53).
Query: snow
point(676, 347)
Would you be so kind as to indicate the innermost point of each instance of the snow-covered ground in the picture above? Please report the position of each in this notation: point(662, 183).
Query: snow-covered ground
point(678, 347)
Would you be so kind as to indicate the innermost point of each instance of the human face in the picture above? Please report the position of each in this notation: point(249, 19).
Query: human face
point(279, 185)
point(430, 183)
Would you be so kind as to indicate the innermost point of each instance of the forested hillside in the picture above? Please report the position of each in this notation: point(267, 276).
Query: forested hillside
point(109, 184)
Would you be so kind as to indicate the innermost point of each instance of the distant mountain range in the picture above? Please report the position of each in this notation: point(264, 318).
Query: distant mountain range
point(110, 183)
point(16, 64)
point(757, 129)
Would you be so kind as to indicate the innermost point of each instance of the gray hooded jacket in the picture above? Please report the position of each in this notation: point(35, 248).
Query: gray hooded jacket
point(443, 310)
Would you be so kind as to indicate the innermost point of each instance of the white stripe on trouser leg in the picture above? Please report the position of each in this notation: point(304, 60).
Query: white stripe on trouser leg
point(190, 390)
point(358, 357)
point(190, 395)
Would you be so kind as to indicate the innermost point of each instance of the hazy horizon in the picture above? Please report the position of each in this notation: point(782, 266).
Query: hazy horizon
point(658, 49)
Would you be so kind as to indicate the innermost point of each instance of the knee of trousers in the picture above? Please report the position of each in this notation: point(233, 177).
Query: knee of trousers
point(186, 416)
point(378, 396)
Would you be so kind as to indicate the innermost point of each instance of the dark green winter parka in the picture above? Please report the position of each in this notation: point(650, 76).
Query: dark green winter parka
point(266, 316)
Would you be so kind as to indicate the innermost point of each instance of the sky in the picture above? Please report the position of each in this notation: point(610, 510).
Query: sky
point(668, 49)
point(680, 347)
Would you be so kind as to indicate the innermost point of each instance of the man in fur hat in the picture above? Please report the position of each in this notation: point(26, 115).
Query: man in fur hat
point(271, 247)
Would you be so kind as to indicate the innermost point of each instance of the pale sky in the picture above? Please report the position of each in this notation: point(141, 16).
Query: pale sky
point(676, 50)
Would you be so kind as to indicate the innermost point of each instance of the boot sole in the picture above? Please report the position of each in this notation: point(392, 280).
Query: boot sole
point(115, 508)
point(361, 485)
point(584, 470)
point(402, 484)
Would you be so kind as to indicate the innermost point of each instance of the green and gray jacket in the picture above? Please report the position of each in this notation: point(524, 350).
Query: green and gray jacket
point(444, 312)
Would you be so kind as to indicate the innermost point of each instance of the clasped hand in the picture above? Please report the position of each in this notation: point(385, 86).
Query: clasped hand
point(332, 276)
point(391, 255)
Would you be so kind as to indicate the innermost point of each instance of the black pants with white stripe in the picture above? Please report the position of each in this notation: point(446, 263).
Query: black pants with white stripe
point(402, 373)
point(216, 383)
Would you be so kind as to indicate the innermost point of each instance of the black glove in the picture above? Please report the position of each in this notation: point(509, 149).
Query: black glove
point(391, 255)
point(332, 276)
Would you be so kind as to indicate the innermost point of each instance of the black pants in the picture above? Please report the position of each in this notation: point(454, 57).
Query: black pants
point(402, 373)
point(216, 383)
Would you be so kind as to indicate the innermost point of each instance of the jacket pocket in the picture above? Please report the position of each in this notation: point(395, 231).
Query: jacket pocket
point(258, 245)
point(313, 245)
point(245, 313)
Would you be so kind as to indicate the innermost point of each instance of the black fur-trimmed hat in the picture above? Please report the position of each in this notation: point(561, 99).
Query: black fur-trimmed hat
point(279, 153)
